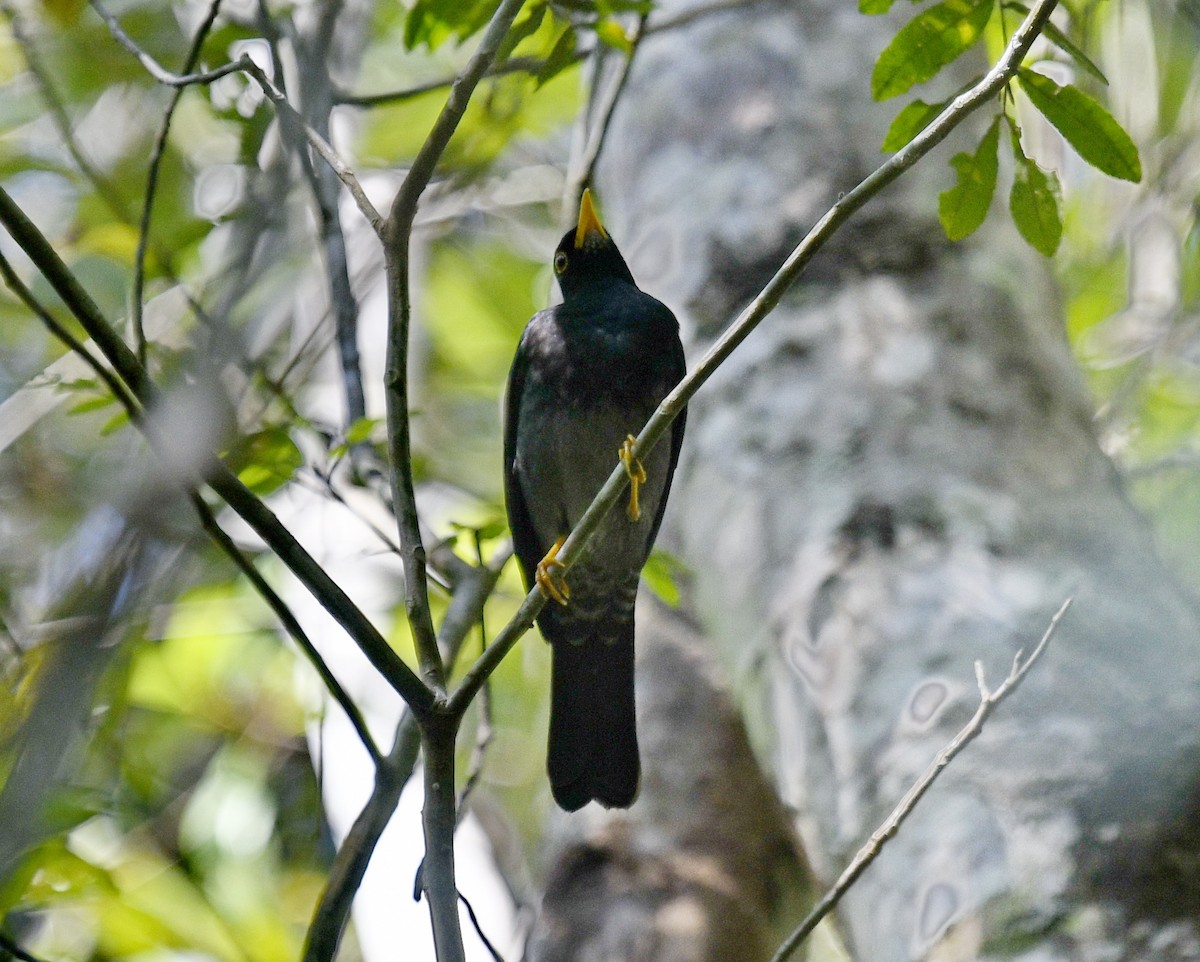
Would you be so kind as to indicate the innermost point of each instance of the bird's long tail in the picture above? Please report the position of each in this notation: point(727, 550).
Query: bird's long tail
point(593, 731)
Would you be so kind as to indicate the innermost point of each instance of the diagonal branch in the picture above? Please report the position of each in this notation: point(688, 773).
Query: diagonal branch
point(762, 305)
point(988, 701)
point(252, 510)
point(137, 417)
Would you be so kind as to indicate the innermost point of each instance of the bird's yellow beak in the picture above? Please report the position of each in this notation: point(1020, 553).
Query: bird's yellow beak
point(589, 220)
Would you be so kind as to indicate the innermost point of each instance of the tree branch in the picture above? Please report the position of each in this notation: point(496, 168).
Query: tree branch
point(747, 321)
point(156, 158)
point(207, 521)
point(252, 510)
point(397, 237)
point(988, 701)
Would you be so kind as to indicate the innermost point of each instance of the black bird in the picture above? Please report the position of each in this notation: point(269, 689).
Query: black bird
point(588, 373)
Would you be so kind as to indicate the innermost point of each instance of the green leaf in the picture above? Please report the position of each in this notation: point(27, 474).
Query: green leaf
point(873, 7)
point(1035, 202)
point(433, 22)
point(92, 404)
point(612, 34)
point(523, 28)
point(561, 57)
point(964, 206)
point(361, 430)
point(662, 574)
point(927, 43)
point(909, 122)
point(267, 460)
point(1085, 125)
point(1063, 42)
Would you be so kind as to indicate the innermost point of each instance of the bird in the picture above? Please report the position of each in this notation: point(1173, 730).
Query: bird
point(587, 374)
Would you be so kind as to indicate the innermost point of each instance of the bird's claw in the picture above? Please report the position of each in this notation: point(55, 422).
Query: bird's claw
point(637, 476)
point(549, 574)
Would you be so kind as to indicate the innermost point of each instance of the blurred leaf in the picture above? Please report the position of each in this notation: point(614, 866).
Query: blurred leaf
point(1085, 125)
point(267, 460)
point(612, 34)
point(662, 574)
point(561, 56)
point(92, 404)
point(433, 22)
point(524, 27)
point(115, 423)
point(1063, 42)
point(927, 43)
point(1035, 202)
point(115, 240)
point(964, 206)
point(873, 7)
point(914, 118)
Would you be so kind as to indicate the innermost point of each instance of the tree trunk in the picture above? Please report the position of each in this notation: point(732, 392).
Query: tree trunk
point(895, 477)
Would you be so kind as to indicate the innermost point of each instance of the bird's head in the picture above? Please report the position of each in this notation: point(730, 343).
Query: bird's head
point(586, 254)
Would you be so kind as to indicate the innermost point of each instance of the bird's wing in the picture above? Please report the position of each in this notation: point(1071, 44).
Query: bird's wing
point(525, 541)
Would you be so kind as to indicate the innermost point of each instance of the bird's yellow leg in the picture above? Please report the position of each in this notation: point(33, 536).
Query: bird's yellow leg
point(549, 576)
point(637, 476)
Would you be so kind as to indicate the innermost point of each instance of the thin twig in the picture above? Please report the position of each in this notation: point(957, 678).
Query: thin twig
point(290, 624)
point(586, 164)
point(153, 67)
point(396, 250)
point(762, 305)
point(487, 943)
point(534, 65)
point(156, 158)
point(245, 65)
point(988, 701)
point(350, 863)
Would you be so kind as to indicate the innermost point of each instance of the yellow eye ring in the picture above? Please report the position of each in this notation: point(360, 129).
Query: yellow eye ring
point(560, 262)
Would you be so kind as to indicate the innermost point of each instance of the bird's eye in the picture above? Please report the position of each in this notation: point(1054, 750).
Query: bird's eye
point(560, 262)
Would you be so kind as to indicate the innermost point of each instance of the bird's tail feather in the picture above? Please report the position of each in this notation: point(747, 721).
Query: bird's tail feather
point(593, 733)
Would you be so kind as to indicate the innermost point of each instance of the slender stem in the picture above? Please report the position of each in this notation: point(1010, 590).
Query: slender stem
point(988, 701)
point(290, 623)
point(439, 819)
point(156, 158)
point(748, 320)
point(396, 251)
point(586, 164)
point(350, 863)
point(153, 67)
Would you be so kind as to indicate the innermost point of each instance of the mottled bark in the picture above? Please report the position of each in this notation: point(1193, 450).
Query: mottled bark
point(896, 476)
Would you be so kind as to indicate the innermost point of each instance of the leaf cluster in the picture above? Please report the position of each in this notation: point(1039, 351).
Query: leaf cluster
point(938, 36)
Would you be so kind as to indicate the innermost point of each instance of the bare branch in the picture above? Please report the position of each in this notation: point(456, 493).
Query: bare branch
point(762, 305)
point(586, 164)
point(207, 521)
point(156, 157)
point(225, 483)
point(153, 67)
point(396, 249)
point(874, 845)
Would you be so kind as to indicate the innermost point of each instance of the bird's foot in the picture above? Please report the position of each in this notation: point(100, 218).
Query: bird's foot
point(549, 574)
point(637, 476)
